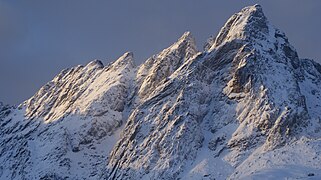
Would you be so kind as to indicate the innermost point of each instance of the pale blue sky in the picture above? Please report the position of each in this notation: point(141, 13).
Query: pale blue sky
point(40, 38)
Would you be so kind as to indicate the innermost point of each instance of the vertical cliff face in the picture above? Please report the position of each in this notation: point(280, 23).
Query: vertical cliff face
point(245, 107)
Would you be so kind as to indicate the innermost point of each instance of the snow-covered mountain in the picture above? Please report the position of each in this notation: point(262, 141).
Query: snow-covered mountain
point(245, 107)
point(70, 125)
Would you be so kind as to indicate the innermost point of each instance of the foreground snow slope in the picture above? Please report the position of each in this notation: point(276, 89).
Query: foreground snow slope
point(244, 108)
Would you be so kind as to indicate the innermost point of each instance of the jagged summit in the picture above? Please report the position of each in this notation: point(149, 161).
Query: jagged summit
point(188, 40)
point(162, 65)
point(238, 100)
point(126, 59)
point(95, 63)
point(127, 55)
point(72, 122)
point(256, 9)
point(70, 91)
point(249, 23)
point(187, 36)
point(241, 25)
point(245, 108)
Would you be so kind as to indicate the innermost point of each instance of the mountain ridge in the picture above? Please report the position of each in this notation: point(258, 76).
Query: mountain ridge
point(238, 106)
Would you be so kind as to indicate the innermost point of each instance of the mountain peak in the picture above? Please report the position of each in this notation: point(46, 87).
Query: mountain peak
point(125, 59)
point(186, 36)
point(95, 63)
point(185, 43)
point(127, 56)
point(249, 23)
point(252, 11)
point(255, 7)
point(240, 110)
point(163, 64)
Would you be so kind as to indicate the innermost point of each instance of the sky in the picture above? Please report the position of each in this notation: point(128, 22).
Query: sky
point(40, 38)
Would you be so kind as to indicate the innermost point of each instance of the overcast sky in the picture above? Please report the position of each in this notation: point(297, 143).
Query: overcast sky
point(40, 38)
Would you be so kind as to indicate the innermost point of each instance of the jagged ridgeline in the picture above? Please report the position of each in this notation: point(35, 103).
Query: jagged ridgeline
point(244, 107)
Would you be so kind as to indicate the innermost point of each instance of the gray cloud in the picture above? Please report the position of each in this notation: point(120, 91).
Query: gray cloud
point(40, 38)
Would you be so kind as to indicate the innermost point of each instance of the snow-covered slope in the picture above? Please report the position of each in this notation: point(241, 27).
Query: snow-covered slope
point(245, 108)
point(89, 90)
point(240, 99)
point(67, 129)
point(159, 67)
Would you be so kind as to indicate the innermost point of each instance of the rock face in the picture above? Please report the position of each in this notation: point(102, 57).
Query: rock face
point(246, 107)
point(159, 67)
point(67, 129)
point(240, 98)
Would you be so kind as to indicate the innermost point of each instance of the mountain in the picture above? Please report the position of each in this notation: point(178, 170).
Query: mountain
point(69, 126)
point(245, 107)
